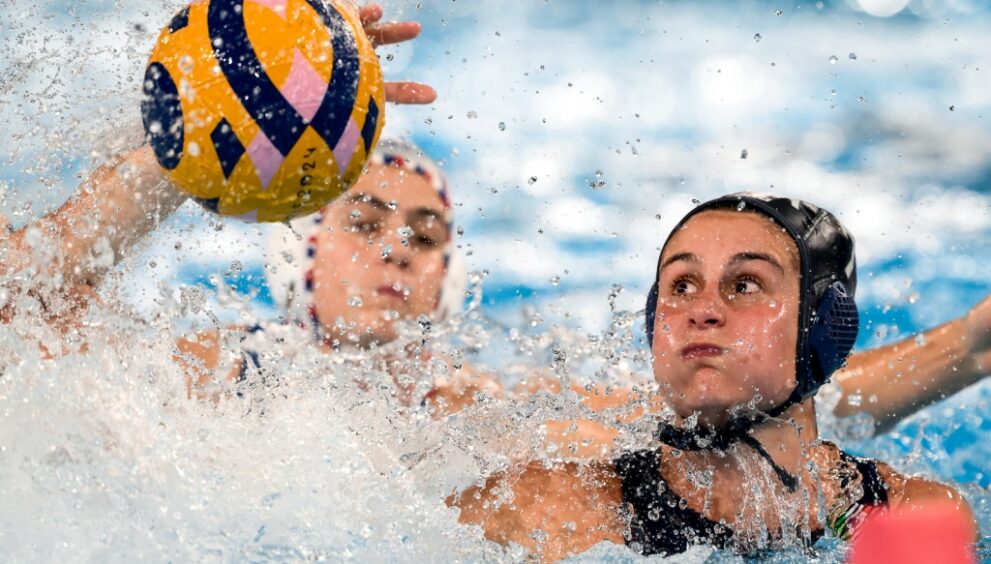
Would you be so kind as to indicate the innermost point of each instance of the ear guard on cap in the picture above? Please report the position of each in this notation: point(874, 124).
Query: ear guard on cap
point(832, 333)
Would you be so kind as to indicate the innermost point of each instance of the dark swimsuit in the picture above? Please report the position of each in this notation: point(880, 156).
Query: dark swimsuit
point(663, 524)
point(249, 357)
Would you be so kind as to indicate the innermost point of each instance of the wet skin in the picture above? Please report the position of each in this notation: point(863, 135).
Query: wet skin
point(727, 316)
point(380, 245)
point(726, 333)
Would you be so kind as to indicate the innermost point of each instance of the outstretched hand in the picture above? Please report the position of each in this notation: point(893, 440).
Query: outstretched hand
point(403, 92)
point(978, 321)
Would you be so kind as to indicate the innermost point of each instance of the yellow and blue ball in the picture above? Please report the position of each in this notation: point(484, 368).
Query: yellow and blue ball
point(263, 109)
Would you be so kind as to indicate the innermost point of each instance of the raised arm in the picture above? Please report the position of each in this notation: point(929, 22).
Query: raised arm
point(125, 200)
point(76, 245)
point(897, 380)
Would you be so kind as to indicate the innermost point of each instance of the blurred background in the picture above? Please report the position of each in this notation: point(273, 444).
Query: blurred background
point(576, 133)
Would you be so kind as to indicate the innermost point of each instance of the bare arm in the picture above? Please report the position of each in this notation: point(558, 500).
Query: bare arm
point(907, 493)
point(592, 439)
point(897, 380)
point(123, 201)
point(461, 389)
point(206, 363)
point(552, 512)
point(119, 203)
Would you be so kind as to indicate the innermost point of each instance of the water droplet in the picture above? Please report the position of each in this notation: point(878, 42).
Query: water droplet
point(390, 57)
point(472, 114)
point(194, 149)
point(555, 280)
point(424, 322)
point(696, 201)
point(757, 37)
point(853, 56)
point(743, 154)
point(740, 206)
point(355, 214)
point(854, 399)
point(386, 251)
point(405, 232)
point(502, 126)
point(833, 59)
point(186, 64)
point(952, 108)
point(354, 301)
point(532, 180)
point(778, 12)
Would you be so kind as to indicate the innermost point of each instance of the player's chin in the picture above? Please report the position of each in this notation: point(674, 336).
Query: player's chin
point(712, 401)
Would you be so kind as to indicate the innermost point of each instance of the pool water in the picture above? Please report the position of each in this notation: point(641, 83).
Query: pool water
point(606, 123)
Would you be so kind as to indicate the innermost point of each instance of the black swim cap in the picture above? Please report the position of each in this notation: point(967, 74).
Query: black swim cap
point(828, 319)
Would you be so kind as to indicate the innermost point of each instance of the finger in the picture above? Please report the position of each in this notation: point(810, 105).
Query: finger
point(409, 93)
point(370, 14)
point(392, 32)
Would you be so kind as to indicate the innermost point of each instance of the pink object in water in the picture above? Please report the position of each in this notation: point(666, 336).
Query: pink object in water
point(265, 157)
point(304, 88)
point(928, 533)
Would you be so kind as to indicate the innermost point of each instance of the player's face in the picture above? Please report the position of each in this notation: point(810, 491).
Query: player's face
point(726, 325)
point(380, 256)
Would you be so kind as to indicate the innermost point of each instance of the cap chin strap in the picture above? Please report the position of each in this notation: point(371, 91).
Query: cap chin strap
point(736, 430)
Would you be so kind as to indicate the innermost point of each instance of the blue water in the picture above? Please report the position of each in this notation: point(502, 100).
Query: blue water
point(886, 121)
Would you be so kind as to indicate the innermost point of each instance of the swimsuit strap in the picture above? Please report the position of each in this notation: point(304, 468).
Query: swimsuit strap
point(844, 520)
point(787, 479)
point(875, 491)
